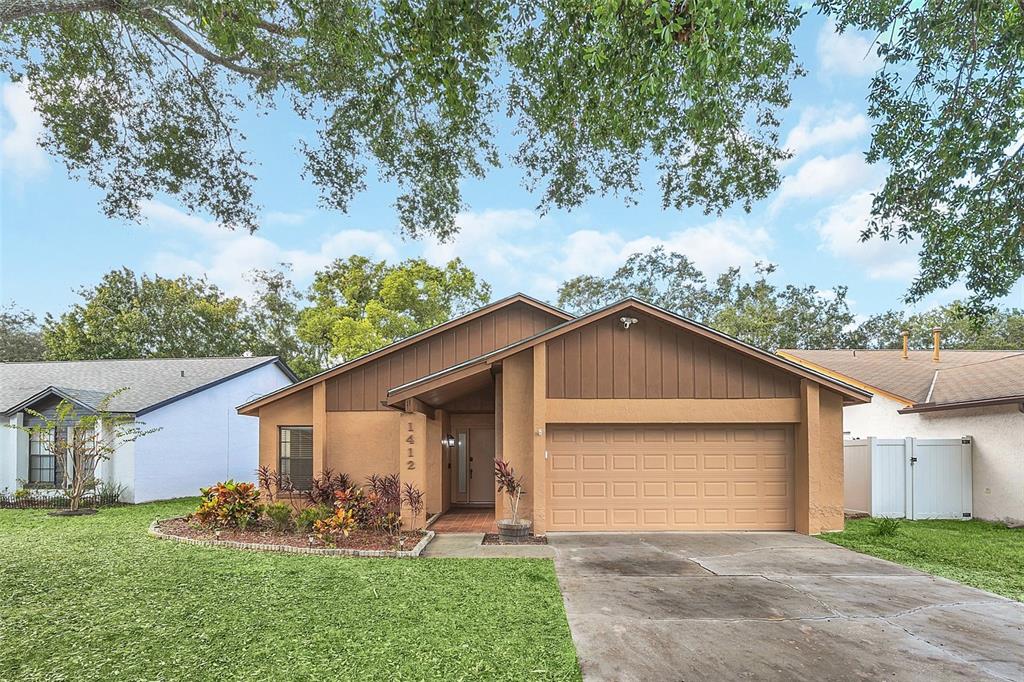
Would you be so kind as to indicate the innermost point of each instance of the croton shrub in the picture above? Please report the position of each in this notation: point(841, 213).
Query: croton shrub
point(229, 505)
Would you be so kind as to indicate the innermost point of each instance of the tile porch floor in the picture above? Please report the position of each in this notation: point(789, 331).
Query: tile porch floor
point(466, 520)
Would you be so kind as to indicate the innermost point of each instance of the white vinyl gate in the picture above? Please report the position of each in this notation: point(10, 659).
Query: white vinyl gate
point(914, 478)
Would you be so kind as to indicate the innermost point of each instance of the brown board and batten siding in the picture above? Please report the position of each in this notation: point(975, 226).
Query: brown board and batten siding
point(363, 388)
point(652, 359)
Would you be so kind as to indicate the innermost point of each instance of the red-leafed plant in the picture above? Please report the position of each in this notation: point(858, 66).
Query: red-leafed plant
point(324, 487)
point(510, 485)
point(385, 503)
point(412, 497)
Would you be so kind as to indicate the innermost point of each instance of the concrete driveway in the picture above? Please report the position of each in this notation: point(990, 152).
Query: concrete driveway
point(688, 606)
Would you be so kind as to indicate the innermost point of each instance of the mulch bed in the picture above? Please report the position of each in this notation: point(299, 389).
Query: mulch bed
point(261, 534)
point(495, 539)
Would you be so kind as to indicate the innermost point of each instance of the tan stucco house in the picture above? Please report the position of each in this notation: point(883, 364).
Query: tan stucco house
point(627, 418)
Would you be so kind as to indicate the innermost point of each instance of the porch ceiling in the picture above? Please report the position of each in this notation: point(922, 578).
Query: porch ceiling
point(446, 388)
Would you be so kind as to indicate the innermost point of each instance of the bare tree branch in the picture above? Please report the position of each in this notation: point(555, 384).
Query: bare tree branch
point(194, 45)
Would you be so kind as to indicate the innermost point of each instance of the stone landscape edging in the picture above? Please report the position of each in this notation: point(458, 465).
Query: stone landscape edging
point(154, 530)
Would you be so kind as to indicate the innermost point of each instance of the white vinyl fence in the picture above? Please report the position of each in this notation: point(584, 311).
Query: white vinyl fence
point(913, 478)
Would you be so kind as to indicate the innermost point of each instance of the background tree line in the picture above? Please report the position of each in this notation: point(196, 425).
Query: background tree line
point(357, 305)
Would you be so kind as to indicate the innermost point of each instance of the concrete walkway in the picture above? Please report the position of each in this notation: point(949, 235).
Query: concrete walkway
point(774, 606)
point(467, 546)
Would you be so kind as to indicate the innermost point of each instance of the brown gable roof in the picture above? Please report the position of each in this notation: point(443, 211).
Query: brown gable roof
point(886, 371)
point(519, 298)
point(852, 393)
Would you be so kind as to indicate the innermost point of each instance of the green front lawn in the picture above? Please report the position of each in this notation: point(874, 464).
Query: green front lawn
point(97, 598)
point(986, 555)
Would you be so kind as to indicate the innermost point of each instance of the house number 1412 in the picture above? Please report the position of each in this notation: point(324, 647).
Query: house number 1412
point(410, 439)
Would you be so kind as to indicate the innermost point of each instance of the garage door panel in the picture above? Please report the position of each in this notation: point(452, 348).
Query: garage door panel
point(670, 478)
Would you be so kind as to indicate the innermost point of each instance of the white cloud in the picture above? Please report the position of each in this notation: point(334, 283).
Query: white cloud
point(285, 217)
point(519, 250)
point(21, 154)
point(822, 176)
point(824, 127)
point(486, 238)
point(713, 248)
point(849, 53)
point(225, 256)
point(840, 227)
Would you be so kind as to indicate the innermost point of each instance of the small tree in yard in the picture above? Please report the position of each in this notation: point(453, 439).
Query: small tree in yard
point(512, 529)
point(79, 442)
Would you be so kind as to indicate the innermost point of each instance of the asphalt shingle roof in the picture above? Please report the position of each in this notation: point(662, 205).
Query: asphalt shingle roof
point(149, 381)
point(1002, 378)
point(959, 376)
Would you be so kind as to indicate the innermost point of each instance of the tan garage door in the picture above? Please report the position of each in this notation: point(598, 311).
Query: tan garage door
point(670, 477)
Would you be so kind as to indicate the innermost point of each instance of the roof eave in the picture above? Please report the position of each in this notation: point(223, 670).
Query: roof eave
point(962, 404)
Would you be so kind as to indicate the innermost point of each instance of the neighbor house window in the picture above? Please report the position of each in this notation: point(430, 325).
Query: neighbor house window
point(296, 455)
point(42, 465)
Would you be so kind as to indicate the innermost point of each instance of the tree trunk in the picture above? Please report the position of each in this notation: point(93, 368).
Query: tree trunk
point(12, 10)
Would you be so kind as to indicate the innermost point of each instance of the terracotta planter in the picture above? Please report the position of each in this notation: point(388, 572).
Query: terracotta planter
point(513, 533)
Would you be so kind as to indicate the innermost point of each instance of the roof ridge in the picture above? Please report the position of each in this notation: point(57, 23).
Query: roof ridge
point(205, 357)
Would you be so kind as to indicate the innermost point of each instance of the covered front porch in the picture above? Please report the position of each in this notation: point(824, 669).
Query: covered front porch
point(462, 437)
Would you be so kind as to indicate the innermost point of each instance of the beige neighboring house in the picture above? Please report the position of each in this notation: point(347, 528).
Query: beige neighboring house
point(947, 394)
point(629, 418)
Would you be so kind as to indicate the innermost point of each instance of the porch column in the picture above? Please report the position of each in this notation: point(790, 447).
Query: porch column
point(540, 438)
point(319, 427)
point(412, 459)
point(808, 448)
point(517, 428)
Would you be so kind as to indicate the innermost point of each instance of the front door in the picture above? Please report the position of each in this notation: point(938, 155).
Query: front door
point(473, 461)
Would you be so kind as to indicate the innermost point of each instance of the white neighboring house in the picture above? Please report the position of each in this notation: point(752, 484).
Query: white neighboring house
point(952, 394)
point(202, 439)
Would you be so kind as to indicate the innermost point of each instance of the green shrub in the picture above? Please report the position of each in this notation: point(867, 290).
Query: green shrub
point(280, 515)
point(108, 493)
point(308, 517)
point(229, 505)
point(885, 527)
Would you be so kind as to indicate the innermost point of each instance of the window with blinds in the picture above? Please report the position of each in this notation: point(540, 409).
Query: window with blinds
point(296, 455)
point(42, 465)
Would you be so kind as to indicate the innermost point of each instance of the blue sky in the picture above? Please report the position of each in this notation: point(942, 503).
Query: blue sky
point(54, 239)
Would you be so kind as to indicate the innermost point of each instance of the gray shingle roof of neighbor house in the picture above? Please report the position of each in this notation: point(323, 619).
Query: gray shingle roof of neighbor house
point(958, 379)
point(151, 382)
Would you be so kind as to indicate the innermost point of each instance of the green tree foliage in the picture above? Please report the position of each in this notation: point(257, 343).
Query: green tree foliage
point(129, 316)
point(144, 97)
point(20, 338)
point(272, 320)
point(758, 311)
point(962, 327)
point(359, 305)
point(951, 128)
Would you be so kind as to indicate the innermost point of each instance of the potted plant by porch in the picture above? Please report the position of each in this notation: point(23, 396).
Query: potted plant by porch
point(514, 529)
